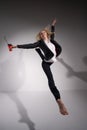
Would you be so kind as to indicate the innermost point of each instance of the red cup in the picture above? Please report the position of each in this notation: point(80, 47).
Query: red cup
point(10, 47)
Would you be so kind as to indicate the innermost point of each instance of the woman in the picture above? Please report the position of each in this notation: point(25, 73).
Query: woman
point(48, 49)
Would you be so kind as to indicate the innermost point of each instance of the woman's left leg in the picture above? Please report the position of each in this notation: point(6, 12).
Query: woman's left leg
point(53, 88)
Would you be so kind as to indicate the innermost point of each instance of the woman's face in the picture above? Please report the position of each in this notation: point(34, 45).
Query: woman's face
point(43, 34)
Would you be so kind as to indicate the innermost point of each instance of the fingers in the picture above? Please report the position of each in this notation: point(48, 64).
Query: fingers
point(54, 22)
point(10, 47)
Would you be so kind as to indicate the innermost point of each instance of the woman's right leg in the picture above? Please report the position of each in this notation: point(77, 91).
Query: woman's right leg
point(54, 90)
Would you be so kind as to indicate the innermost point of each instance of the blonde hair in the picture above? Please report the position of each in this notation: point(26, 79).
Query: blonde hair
point(47, 30)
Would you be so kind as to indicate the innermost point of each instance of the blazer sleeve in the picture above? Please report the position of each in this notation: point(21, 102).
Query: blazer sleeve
point(53, 32)
point(40, 53)
point(29, 46)
point(57, 47)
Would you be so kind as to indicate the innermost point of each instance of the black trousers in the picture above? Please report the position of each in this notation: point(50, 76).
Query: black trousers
point(53, 88)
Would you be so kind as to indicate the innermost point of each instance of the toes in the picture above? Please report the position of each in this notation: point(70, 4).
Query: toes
point(64, 112)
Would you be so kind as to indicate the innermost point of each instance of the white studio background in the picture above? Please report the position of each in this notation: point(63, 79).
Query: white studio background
point(26, 102)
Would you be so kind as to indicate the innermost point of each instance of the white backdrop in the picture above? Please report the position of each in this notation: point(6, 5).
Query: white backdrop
point(25, 97)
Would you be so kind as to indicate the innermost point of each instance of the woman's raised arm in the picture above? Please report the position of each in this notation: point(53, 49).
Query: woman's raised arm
point(53, 29)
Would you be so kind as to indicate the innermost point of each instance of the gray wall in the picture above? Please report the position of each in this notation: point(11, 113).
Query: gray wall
point(24, 90)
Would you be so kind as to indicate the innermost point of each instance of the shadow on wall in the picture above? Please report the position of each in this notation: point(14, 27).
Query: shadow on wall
point(22, 111)
point(82, 75)
point(11, 76)
point(11, 80)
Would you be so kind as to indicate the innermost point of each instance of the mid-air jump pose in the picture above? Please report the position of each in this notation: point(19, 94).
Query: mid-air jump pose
point(48, 49)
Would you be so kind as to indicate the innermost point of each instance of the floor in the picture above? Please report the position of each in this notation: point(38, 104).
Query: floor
point(37, 110)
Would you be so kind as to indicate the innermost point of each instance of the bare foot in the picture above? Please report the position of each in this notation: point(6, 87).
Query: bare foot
point(62, 107)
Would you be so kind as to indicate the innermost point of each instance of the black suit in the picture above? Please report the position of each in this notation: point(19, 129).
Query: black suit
point(40, 45)
point(48, 54)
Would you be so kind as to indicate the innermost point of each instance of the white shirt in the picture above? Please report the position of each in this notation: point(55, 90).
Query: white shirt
point(52, 48)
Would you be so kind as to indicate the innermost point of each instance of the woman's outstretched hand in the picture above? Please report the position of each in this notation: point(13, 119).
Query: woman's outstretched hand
point(10, 47)
point(54, 22)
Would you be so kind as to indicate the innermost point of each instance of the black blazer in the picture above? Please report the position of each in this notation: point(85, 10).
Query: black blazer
point(40, 45)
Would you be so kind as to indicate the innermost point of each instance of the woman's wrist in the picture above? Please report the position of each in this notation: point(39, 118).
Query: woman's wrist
point(54, 22)
point(14, 46)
